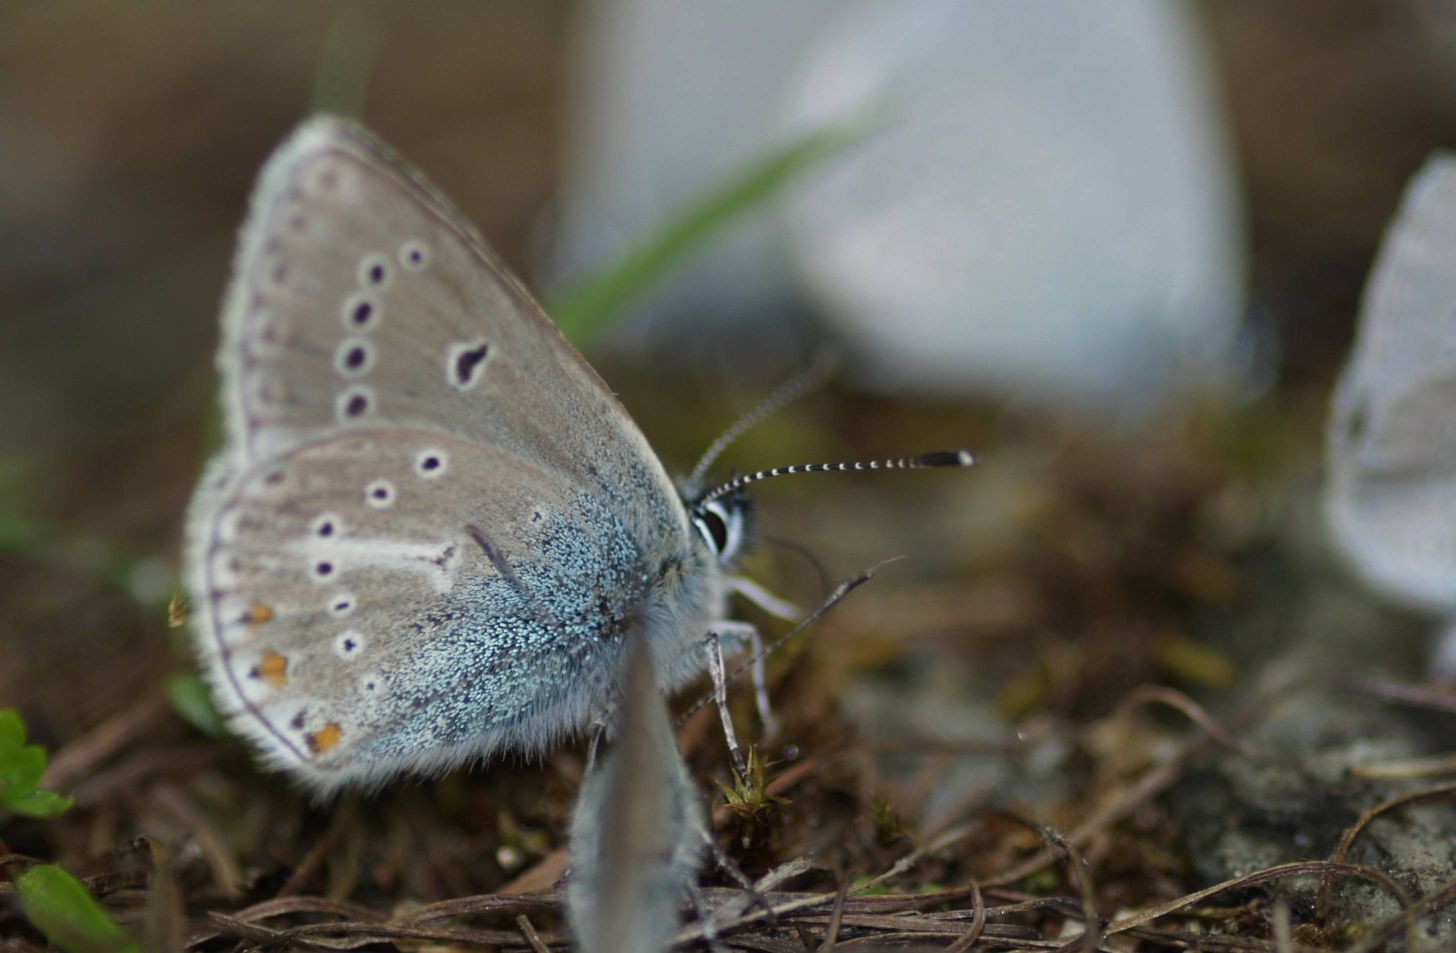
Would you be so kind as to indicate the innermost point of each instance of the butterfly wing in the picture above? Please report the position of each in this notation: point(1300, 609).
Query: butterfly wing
point(410, 438)
point(637, 829)
point(1392, 440)
point(401, 599)
point(361, 296)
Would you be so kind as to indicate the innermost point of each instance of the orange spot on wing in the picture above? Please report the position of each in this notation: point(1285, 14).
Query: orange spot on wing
point(273, 669)
point(325, 738)
point(258, 613)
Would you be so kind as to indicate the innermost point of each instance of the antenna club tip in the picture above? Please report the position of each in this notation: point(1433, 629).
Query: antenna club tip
point(947, 458)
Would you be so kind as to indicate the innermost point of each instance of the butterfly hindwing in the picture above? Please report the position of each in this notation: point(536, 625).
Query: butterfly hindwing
point(365, 613)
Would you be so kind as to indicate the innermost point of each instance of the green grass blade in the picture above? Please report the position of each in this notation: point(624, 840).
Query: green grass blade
point(584, 312)
point(350, 49)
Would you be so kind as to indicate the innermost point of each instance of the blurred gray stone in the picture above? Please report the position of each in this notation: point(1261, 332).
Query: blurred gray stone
point(1048, 212)
point(1298, 795)
point(1303, 633)
point(667, 101)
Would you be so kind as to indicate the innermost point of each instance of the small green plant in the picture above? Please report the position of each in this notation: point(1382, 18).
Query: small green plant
point(21, 766)
point(748, 797)
point(59, 906)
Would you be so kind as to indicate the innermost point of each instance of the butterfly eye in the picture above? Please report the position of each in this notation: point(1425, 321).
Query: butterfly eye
point(717, 530)
point(721, 528)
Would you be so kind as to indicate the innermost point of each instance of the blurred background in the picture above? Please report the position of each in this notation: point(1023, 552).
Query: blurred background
point(1115, 247)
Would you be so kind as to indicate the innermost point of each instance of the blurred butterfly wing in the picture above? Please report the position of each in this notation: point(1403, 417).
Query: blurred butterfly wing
point(1408, 310)
point(637, 830)
point(1392, 433)
point(409, 622)
point(359, 296)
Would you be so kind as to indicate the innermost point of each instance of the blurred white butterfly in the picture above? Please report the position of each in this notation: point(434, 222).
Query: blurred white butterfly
point(1391, 496)
point(432, 525)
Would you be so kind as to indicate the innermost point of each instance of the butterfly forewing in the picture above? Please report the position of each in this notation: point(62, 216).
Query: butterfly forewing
point(360, 298)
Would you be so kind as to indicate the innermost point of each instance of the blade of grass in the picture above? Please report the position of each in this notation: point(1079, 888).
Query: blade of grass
point(346, 62)
point(584, 311)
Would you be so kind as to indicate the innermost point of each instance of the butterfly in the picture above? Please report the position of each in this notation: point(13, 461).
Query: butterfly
point(432, 525)
point(1391, 445)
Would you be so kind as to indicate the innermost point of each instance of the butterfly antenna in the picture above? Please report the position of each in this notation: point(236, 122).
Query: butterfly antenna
point(810, 379)
point(925, 461)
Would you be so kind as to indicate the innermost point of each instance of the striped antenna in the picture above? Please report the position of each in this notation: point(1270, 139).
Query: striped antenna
point(786, 393)
point(925, 461)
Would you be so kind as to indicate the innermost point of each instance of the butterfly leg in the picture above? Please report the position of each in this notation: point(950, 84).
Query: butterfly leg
point(706, 924)
point(778, 608)
point(765, 600)
point(603, 725)
point(760, 686)
point(746, 632)
point(714, 649)
point(736, 874)
point(598, 730)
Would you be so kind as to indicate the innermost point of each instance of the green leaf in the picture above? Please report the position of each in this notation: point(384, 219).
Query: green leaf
point(61, 908)
point(12, 730)
point(192, 701)
point(21, 767)
point(41, 804)
point(584, 312)
point(20, 536)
